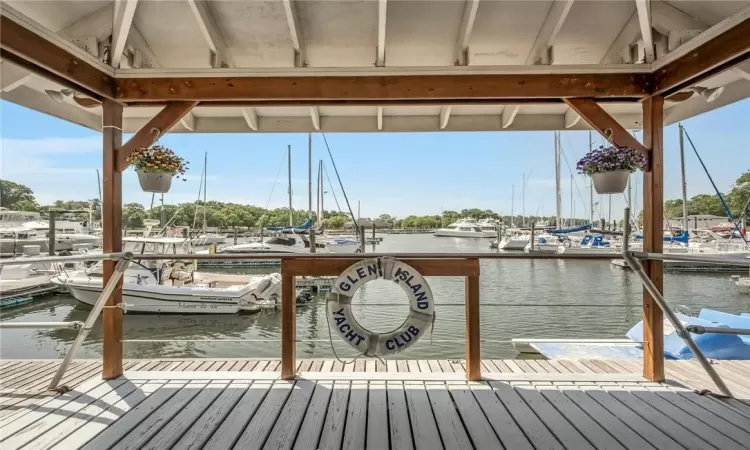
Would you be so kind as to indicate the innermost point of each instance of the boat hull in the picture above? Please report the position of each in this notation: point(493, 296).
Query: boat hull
point(513, 244)
point(464, 234)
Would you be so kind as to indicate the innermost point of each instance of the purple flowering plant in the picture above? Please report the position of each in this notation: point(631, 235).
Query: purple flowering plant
point(608, 159)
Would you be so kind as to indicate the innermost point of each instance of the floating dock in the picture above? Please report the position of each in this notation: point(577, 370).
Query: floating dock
point(689, 267)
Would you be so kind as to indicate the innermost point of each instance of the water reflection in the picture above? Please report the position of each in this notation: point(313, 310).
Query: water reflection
point(519, 298)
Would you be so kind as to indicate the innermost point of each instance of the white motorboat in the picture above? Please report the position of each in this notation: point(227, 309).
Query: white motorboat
point(14, 239)
point(30, 278)
point(467, 228)
point(590, 244)
point(545, 243)
point(339, 244)
point(284, 243)
point(206, 239)
point(170, 287)
point(514, 240)
point(67, 233)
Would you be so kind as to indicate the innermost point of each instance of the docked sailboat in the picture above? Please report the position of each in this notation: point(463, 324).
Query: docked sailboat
point(514, 239)
point(172, 286)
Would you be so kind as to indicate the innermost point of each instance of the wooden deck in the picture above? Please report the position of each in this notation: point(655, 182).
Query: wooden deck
point(521, 404)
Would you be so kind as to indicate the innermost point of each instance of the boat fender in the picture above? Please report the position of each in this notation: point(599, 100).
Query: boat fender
point(567, 244)
point(417, 324)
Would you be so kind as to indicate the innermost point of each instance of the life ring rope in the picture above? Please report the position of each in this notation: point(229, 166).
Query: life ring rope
point(341, 321)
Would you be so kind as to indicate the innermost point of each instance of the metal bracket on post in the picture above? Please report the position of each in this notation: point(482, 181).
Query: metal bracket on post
point(676, 323)
point(83, 332)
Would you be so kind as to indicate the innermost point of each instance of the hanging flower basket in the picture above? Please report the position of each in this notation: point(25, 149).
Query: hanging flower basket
point(156, 166)
point(610, 167)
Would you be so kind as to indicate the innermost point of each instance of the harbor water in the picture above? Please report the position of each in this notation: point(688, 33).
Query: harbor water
point(519, 299)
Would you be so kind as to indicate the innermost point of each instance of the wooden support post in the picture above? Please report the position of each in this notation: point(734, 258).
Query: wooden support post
point(473, 356)
point(288, 325)
point(112, 236)
point(653, 238)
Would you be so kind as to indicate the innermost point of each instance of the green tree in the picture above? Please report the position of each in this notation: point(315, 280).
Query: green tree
point(133, 215)
point(14, 195)
point(739, 195)
point(705, 204)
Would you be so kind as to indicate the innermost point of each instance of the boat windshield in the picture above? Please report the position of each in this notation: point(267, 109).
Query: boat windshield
point(282, 240)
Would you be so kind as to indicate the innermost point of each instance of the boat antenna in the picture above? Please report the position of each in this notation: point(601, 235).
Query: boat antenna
point(354, 220)
point(718, 194)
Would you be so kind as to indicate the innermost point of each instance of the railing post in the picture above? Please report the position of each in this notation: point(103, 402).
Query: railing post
point(653, 237)
point(288, 324)
point(473, 356)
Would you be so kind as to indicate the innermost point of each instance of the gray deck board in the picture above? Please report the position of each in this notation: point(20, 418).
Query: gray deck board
point(238, 404)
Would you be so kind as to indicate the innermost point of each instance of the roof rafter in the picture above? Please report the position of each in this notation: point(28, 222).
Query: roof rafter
point(445, 116)
point(251, 117)
point(382, 16)
point(122, 23)
point(220, 56)
point(380, 118)
point(315, 116)
point(464, 34)
point(643, 8)
point(300, 58)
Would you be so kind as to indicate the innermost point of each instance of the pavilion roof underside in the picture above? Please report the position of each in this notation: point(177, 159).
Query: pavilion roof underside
point(138, 42)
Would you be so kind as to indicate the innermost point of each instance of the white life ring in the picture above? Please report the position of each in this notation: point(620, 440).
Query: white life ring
point(421, 306)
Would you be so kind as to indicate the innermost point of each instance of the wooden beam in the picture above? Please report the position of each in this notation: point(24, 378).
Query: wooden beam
point(123, 22)
point(156, 127)
point(40, 56)
point(509, 115)
point(717, 54)
point(643, 8)
point(464, 33)
point(473, 335)
point(653, 238)
point(397, 87)
point(251, 117)
point(300, 58)
point(606, 125)
point(445, 116)
point(382, 16)
point(112, 236)
point(315, 116)
point(554, 21)
point(329, 267)
point(220, 55)
point(288, 327)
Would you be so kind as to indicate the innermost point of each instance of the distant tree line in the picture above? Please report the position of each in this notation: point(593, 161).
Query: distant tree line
point(16, 196)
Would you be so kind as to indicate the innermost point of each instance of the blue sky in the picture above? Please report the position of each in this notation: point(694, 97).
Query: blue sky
point(394, 173)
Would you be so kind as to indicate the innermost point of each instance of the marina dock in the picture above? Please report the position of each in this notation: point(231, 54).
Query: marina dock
point(399, 404)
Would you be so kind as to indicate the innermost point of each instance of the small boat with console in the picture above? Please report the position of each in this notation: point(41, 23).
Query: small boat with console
point(172, 286)
point(514, 239)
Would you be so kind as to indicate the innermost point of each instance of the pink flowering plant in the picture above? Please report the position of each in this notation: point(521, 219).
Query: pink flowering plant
point(610, 159)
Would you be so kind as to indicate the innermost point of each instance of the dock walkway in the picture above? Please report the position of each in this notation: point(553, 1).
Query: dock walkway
point(399, 404)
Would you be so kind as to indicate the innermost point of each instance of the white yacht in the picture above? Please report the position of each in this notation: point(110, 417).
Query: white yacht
point(545, 243)
point(206, 239)
point(283, 243)
point(514, 239)
point(172, 286)
point(468, 228)
point(67, 233)
point(338, 244)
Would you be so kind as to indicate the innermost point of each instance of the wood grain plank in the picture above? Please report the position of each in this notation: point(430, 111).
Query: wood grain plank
point(377, 417)
point(525, 417)
point(261, 424)
point(423, 425)
point(501, 421)
point(315, 416)
point(449, 423)
point(135, 417)
point(284, 432)
point(212, 417)
point(607, 420)
point(333, 428)
point(398, 417)
point(112, 414)
point(181, 423)
point(234, 423)
point(356, 417)
point(476, 423)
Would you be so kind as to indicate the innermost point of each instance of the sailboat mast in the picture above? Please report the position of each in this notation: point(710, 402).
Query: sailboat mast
point(572, 205)
point(591, 189)
point(289, 157)
point(309, 175)
point(322, 193)
point(523, 200)
point(558, 188)
point(317, 199)
point(512, 204)
point(205, 187)
point(684, 180)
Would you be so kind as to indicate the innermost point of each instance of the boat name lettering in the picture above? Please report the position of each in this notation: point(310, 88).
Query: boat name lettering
point(346, 329)
point(216, 299)
point(196, 306)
